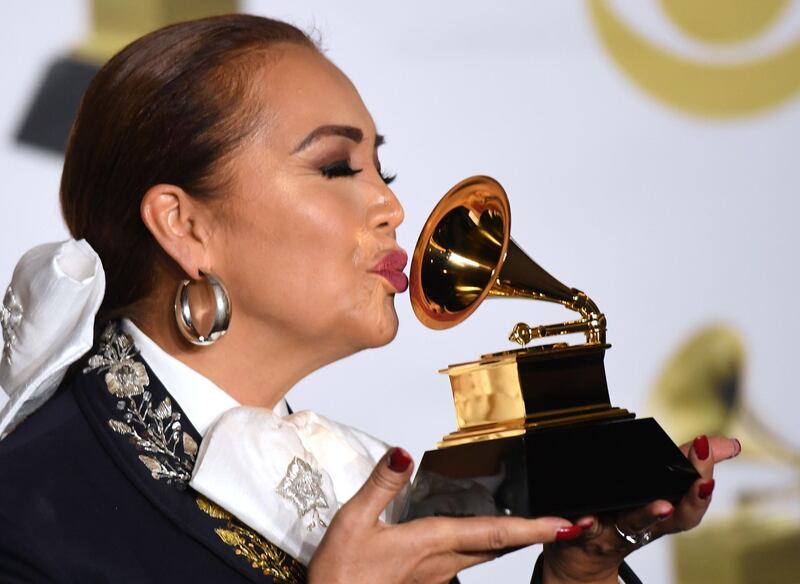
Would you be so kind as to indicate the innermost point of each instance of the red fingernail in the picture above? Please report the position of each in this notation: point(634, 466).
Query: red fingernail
point(666, 514)
point(586, 524)
point(570, 532)
point(705, 489)
point(399, 460)
point(737, 447)
point(701, 448)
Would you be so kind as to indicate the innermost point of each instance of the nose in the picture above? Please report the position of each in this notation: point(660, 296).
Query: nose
point(389, 212)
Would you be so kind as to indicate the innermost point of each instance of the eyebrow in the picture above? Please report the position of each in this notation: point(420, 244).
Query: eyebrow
point(349, 132)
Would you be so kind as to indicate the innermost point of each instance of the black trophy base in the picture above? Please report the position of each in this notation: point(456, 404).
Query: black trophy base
point(565, 471)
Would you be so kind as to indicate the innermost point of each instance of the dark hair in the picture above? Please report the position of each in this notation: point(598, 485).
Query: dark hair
point(168, 108)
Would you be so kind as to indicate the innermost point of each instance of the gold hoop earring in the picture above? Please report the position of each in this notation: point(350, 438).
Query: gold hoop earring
point(222, 312)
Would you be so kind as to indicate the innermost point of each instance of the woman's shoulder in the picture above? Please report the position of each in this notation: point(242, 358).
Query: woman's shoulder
point(68, 509)
point(40, 484)
point(44, 444)
point(53, 469)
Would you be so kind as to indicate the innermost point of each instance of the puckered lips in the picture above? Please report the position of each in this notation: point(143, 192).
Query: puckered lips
point(391, 267)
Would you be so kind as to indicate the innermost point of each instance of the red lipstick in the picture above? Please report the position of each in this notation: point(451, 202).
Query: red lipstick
point(391, 267)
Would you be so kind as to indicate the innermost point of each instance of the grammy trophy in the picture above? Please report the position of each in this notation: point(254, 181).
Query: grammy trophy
point(537, 434)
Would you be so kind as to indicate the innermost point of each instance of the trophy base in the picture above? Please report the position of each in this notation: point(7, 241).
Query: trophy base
point(565, 471)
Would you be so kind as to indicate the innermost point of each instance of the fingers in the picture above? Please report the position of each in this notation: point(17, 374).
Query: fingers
point(701, 456)
point(388, 478)
point(487, 534)
point(722, 448)
point(702, 453)
point(645, 518)
point(692, 507)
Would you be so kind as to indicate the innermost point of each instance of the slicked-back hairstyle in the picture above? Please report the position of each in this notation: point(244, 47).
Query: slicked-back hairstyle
point(169, 108)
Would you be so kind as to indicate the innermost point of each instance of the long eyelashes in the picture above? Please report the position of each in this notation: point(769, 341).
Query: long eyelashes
point(342, 168)
point(388, 178)
point(339, 168)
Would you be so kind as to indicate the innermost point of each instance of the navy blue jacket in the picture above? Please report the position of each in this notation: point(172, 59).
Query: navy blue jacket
point(93, 488)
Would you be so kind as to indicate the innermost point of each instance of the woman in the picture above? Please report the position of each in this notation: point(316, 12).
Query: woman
point(228, 155)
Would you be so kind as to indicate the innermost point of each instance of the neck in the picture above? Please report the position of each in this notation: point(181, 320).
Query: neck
point(254, 364)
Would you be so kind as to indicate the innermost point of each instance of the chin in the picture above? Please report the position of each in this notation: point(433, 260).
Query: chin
point(383, 334)
point(388, 338)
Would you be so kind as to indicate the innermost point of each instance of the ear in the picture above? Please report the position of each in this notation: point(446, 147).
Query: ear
point(179, 225)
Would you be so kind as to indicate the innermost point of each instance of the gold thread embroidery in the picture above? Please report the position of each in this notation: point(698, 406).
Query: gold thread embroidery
point(213, 510)
point(258, 552)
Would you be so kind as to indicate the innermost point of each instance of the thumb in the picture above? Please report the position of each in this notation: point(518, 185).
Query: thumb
point(388, 478)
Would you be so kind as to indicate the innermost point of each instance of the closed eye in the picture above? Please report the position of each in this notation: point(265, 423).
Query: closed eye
point(339, 168)
point(342, 168)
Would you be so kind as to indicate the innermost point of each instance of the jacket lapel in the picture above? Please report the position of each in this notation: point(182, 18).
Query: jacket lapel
point(145, 431)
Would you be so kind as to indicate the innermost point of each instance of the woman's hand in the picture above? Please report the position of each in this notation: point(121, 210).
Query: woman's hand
point(596, 556)
point(358, 547)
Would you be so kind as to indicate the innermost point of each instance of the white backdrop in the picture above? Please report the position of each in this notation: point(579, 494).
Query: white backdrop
point(668, 220)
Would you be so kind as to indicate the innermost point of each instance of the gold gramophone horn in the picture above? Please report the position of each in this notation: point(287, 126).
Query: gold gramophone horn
point(465, 253)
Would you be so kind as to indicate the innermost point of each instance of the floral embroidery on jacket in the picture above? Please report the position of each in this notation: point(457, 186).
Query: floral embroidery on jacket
point(259, 553)
point(167, 451)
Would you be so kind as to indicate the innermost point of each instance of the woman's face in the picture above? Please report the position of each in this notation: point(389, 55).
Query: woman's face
point(307, 244)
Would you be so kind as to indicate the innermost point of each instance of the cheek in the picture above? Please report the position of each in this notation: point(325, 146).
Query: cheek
point(301, 264)
point(293, 258)
point(328, 248)
point(342, 299)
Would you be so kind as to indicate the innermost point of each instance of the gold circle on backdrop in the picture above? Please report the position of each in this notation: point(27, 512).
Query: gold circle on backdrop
point(723, 21)
point(718, 90)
